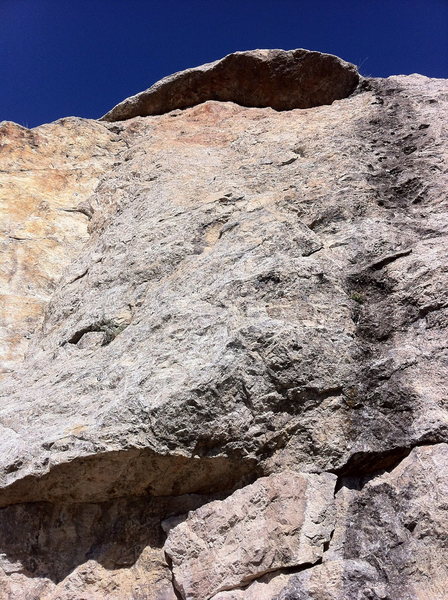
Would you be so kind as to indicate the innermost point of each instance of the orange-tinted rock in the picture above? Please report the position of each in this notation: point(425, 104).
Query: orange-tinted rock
point(45, 174)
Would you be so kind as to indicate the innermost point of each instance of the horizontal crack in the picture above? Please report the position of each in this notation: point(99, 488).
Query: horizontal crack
point(389, 258)
point(268, 576)
point(272, 573)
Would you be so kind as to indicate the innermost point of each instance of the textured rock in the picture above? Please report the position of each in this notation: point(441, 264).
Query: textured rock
point(262, 292)
point(297, 321)
point(264, 588)
point(45, 175)
point(335, 580)
point(279, 521)
point(282, 79)
point(390, 539)
point(332, 580)
point(398, 523)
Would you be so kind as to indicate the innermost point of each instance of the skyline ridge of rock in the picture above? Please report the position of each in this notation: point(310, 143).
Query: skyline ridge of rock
point(281, 79)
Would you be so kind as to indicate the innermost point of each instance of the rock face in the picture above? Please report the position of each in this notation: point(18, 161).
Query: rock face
point(71, 551)
point(256, 310)
point(281, 79)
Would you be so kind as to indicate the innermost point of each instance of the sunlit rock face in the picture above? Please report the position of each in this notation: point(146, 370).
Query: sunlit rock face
point(45, 175)
point(280, 521)
point(235, 371)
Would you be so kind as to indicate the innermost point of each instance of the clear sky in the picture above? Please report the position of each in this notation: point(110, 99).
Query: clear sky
point(81, 57)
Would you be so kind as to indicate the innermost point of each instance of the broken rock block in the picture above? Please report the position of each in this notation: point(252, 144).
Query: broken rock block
point(279, 521)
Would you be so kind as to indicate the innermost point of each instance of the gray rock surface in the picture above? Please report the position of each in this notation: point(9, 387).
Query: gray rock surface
point(332, 580)
point(389, 542)
point(261, 292)
point(281, 79)
point(70, 551)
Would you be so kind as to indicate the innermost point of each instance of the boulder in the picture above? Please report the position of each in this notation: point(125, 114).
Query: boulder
point(257, 304)
point(281, 79)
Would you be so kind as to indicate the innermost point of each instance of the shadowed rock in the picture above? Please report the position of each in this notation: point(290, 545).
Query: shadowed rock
point(132, 472)
point(111, 550)
point(281, 79)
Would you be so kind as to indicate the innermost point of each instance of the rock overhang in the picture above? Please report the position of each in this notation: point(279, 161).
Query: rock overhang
point(280, 79)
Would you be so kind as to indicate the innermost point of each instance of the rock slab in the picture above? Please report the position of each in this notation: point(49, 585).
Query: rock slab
point(45, 175)
point(279, 521)
point(390, 539)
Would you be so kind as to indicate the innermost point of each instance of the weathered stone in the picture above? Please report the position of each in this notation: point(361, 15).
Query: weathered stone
point(390, 540)
point(279, 521)
point(335, 580)
point(132, 472)
point(332, 580)
point(261, 291)
point(281, 79)
point(398, 523)
point(264, 588)
point(293, 317)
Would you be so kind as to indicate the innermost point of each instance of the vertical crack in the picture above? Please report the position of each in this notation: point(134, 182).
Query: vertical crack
point(169, 563)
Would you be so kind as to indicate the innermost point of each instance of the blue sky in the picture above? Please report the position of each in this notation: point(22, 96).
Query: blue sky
point(81, 57)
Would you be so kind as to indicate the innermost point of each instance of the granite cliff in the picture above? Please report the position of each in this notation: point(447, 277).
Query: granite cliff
point(224, 352)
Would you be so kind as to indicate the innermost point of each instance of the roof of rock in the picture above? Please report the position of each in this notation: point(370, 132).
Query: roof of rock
point(280, 79)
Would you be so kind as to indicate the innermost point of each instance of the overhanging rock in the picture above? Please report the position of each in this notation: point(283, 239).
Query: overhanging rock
point(281, 79)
